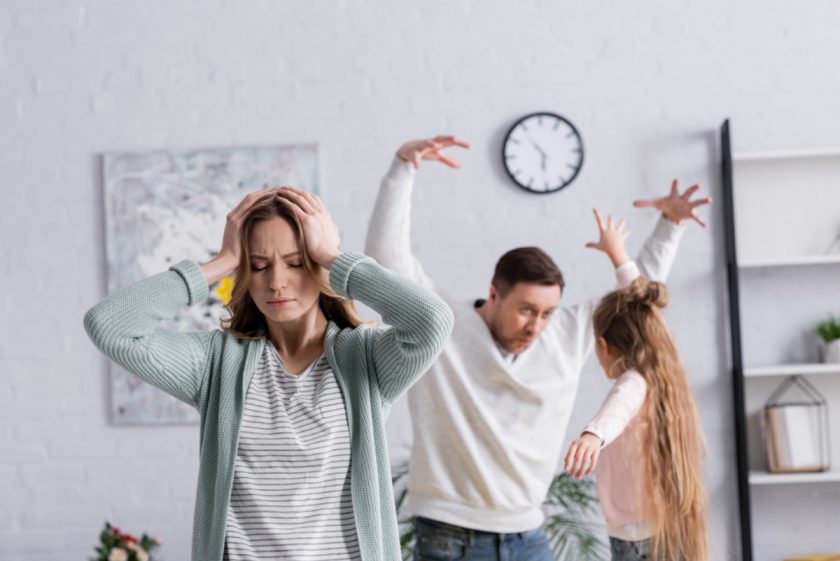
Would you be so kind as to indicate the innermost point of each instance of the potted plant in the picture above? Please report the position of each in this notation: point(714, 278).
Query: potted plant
point(829, 330)
point(570, 508)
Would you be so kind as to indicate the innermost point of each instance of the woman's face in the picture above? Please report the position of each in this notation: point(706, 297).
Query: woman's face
point(280, 286)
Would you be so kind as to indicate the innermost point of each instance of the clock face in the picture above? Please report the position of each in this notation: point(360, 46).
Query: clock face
point(543, 152)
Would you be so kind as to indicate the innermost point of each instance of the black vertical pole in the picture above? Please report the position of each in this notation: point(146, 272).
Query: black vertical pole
point(737, 358)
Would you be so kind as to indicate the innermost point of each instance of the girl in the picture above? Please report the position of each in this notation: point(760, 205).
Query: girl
point(293, 394)
point(649, 477)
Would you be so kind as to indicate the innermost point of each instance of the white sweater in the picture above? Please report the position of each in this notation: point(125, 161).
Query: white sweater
point(488, 431)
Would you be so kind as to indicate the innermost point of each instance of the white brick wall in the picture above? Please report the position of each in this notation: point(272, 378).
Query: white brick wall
point(647, 83)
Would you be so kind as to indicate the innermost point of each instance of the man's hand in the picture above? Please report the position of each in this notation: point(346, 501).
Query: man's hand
point(415, 151)
point(676, 207)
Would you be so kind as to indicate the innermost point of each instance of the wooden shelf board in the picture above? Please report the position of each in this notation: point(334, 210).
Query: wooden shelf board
point(790, 369)
point(829, 259)
point(773, 155)
point(766, 478)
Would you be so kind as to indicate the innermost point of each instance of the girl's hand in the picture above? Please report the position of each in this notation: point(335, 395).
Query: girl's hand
point(582, 457)
point(319, 230)
point(611, 240)
point(416, 151)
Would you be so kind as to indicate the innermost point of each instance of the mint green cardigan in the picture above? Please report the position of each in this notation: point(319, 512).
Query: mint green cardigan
point(211, 371)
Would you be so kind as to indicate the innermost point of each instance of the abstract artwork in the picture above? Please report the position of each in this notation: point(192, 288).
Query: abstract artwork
point(162, 207)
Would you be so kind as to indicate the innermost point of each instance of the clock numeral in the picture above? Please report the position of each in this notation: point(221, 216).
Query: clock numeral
point(510, 156)
point(511, 139)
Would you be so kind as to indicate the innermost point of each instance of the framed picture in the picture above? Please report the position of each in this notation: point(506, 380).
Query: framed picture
point(162, 207)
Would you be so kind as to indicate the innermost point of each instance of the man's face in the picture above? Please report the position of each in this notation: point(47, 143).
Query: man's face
point(518, 318)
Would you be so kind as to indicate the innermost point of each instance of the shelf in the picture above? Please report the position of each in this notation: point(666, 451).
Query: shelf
point(830, 259)
point(766, 478)
point(791, 369)
point(785, 155)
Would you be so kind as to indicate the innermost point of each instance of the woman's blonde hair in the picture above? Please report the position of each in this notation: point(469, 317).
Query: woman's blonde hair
point(246, 321)
point(631, 322)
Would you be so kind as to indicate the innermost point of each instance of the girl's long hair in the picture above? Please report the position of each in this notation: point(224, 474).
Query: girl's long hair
point(631, 322)
point(246, 320)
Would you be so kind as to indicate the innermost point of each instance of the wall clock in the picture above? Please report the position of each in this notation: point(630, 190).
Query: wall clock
point(542, 152)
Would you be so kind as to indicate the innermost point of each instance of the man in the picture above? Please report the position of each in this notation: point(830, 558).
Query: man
point(490, 414)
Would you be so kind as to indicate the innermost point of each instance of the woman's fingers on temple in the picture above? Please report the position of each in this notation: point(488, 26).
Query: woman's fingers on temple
point(298, 197)
point(248, 201)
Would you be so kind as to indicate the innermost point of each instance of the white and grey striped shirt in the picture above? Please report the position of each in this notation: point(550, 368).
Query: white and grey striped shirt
point(291, 488)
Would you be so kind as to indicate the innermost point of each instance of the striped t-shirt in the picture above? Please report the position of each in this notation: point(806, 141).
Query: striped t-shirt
point(291, 487)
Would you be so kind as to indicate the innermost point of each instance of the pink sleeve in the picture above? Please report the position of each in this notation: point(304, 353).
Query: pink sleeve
point(622, 404)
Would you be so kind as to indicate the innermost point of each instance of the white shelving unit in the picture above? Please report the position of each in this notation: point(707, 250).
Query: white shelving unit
point(782, 211)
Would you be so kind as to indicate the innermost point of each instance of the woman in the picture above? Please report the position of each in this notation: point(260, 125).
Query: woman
point(283, 473)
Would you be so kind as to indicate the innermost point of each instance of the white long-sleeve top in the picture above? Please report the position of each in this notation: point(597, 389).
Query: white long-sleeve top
point(620, 471)
point(488, 431)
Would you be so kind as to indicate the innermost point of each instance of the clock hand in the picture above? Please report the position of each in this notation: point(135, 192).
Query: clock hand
point(543, 155)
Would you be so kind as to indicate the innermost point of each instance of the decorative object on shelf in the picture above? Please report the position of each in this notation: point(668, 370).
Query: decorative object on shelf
point(117, 546)
point(829, 330)
point(161, 207)
point(542, 152)
point(796, 432)
point(569, 507)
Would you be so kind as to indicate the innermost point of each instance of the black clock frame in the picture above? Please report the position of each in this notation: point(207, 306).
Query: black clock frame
point(543, 114)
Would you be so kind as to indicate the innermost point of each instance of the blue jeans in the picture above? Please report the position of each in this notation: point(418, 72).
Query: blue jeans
point(437, 541)
point(630, 551)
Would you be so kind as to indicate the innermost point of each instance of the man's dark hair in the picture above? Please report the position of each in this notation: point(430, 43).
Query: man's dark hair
point(526, 264)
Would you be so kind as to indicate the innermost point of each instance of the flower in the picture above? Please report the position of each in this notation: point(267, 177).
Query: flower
point(114, 545)
point(225, 289)
point(118, 554)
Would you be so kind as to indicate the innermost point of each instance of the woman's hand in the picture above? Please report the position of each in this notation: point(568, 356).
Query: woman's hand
point(229, 254)
point(582, 457)
point(319, 230)
point(416, 151)
point(611, 240)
